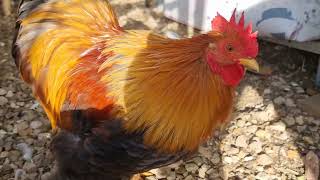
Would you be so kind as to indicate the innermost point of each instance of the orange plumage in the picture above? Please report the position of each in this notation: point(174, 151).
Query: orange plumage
point(141, 99)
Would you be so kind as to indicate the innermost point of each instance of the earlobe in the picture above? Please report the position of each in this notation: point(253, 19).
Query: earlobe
point(212, 46)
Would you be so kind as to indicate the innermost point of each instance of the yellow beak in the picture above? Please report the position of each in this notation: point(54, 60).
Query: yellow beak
point(250, 64)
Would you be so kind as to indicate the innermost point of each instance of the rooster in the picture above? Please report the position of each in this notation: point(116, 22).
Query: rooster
point(123, 102)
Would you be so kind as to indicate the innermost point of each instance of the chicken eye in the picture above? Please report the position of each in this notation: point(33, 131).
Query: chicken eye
point(229, 48)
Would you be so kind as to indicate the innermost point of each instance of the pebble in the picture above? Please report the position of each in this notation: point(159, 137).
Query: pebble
point(300, 90)
point(248, 158)
point(215, 158)
point(290, 103)
point(161, 173)
point(22, 126)
point(190, 177)
point(301, 128)
point(2, 92)
point(299, 120)
point(29, 167)
point(279, 100)
point(294, 84)
point(46, 176)
point(3, 101)
point(191, 167)
point(44, 136)
point(242, 141)
point(36, 124)
point(198, 161)
point(14, 155)
point(26, 151)
point(202, 171)
point(279, 126)
point(255, 147)
point(267, 91)
point(264, 160)
point(9, 94)
point(263, 134)
point(290, 121)
point(252, 129)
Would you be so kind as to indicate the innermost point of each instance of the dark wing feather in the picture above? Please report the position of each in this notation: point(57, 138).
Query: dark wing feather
point(105, 151)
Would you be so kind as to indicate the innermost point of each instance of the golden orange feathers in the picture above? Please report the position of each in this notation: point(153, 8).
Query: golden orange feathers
point(75, 56)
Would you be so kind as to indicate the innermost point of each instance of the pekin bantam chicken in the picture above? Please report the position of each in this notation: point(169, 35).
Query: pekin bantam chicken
point(123, 102)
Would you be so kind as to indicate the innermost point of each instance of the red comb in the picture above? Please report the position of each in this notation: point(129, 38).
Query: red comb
point(219, 23)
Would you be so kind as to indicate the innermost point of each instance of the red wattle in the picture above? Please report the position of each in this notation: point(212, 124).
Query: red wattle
point(230, 74)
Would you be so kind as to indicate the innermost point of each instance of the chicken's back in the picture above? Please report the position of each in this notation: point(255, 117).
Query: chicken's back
point(58, 49)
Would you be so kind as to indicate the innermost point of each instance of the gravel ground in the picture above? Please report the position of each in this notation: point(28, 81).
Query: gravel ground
point(268, 138)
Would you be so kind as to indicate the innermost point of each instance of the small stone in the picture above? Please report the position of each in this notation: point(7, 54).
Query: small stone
point(198, 161)
point(283, 136)
point(252, 129)
point(161, 172)
point(202, 171)
point(293, 154)
point(205, 152)
point(290, 121)
point(301, 128)
point(215, 158)
point(311, 91)
point(294, 84)
point(172, 176)
point(279, 100)
point(14, 155)
point(46, 176)
point(300, 120)
point(26, 151)
point(279, 126)
point(19, 174)
point(36, 124)
point(262, 176)
point(175, 165)
point(255, 147)
point(263, 134)
point(241, 141)
point(9, 94)
point(22, 126)
point(29, 167)
point(189, 178)
point(228, 160)
point(316, 122)
point(4, 154)
point(287, 89)
point(248, 158)
point(308, 139)
point(264, 160)
point(28, 115)
point(267, 91)
point(290, 103)
point(3, 101)
point(233, 151)
point(44, 136)
point(2, 92)
point(150, 178)
point(311, 105)
point(312, 166)
point(191, 167)
point(300, 90)
point(249, 98)
point(241, 123)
